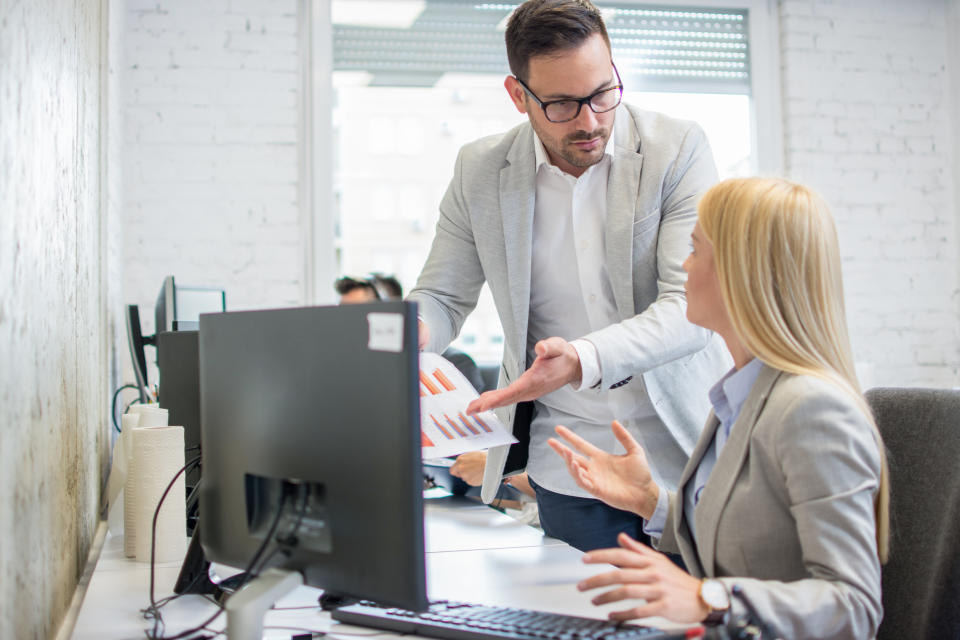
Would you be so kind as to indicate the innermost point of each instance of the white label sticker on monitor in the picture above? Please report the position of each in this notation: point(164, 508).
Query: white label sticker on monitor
point(386, 331)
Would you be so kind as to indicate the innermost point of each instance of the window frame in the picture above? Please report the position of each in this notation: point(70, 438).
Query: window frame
point(316, 191)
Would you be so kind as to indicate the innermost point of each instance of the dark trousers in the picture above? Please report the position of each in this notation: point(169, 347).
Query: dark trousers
point(588, 523)
point(585, 523)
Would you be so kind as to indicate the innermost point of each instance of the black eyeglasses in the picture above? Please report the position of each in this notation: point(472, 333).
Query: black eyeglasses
point(569, 108)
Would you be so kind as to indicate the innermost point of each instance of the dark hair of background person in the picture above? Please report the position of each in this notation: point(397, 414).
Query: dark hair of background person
point(539, 27)
point(382, 286)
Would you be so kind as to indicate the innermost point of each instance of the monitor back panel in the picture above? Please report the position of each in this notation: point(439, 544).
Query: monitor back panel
point(300, 395)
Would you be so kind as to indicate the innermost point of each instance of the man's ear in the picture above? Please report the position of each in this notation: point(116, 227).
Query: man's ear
point(516, 93)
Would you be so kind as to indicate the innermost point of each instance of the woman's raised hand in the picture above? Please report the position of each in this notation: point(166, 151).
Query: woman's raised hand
point(622, 481)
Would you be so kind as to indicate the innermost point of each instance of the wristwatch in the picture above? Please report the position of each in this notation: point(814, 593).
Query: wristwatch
point(715, 596)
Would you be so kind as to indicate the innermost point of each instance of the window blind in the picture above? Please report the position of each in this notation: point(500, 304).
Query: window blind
point(655, 47)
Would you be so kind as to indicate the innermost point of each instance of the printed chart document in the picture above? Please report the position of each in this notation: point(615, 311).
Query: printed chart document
point(445, 427)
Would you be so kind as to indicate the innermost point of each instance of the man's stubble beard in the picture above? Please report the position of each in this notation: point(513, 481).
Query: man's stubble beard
point(571, 154)
point(575, 157)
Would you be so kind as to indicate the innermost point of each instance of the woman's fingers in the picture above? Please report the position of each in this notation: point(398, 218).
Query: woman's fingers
point(576, 465)
point(641, 611)
point(650, 593)
point(618, 556)
point(627, 440)
point(619, 576)
point(628, 543)
point(577, 442)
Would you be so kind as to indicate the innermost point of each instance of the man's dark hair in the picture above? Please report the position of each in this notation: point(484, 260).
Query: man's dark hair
point(541, 27)
point(388, 284)
point(383, 287)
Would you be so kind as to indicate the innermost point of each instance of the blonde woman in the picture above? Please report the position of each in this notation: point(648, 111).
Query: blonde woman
point(785, 493)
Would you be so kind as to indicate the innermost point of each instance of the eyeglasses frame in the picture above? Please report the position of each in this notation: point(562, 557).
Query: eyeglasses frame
point(580, 101)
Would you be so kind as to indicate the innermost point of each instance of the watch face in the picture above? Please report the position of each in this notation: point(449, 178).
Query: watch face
point(715, 594)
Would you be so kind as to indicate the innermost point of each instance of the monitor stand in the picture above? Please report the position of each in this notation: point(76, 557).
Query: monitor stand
point(246, 608)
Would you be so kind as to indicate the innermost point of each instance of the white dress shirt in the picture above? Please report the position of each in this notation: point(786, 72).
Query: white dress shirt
point(570, 296)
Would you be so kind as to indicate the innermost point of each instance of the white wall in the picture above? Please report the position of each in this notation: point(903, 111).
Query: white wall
point(53, 306)
point(869, 124)
point(212, 134)
point(953, 71)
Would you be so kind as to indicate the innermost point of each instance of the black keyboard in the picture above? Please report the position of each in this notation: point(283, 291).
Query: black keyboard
point(464, 621)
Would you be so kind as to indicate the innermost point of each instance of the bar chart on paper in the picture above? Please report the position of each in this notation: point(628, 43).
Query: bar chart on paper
point(445, 427)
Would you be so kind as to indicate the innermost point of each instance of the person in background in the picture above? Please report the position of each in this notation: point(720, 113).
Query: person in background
point(578, 220)
point(786, 493)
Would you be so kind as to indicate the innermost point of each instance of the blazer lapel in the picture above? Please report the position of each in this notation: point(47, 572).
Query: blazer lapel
point(726, 473)
point(684, 538)
point(623, 189)
point(517, 193)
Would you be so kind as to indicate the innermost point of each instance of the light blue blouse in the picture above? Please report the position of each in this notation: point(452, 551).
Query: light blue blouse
point(727, 397)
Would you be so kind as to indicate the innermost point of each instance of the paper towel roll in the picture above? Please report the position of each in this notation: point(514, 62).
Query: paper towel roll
point(118, 473)
point(157, 456)
point(151, 415)
point(148, 415)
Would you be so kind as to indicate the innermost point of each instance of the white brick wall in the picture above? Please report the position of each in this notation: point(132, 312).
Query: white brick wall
point(212, 92)
point(869, 124)
point(212, 135)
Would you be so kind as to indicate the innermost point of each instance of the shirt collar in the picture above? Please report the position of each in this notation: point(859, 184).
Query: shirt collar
point(729, 394)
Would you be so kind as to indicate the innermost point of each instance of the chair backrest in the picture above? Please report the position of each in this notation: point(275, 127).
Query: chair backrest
point(921, 581)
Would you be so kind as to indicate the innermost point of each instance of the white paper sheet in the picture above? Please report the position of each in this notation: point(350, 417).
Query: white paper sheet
point(445, 427)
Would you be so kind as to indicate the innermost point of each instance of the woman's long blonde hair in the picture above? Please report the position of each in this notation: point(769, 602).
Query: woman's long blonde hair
point(778, 263)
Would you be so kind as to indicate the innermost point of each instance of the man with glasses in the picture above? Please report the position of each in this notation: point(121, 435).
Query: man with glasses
point(579, 220)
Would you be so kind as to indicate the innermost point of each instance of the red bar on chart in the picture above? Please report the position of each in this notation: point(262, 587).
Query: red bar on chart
point(432, 388)
point(425, 441)
point(440, 426)
point(444, 380)
point(454, 425)
point(467, 424)
point(482, 424)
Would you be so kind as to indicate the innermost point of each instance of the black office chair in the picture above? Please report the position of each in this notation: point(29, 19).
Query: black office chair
point(921, 581)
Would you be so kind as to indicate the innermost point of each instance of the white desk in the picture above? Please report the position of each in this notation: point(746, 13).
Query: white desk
point(474, 554)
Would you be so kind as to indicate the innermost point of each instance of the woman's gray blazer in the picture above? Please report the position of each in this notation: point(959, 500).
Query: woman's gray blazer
point(788, 511)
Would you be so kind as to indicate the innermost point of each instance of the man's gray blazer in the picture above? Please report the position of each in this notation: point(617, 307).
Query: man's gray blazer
point(660, 168)
point(790, 506)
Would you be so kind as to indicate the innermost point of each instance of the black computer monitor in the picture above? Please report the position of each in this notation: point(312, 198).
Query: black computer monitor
point(179, 393)
point(136, 343)
point(179, 307)
point(313, 414)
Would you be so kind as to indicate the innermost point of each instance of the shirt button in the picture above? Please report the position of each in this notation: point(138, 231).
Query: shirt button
point(593, 298)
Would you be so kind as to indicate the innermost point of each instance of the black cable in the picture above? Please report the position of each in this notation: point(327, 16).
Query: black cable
point(156, 513)
point(247, 572)
point(154, 609)
point(113, 404)
point(287, 539)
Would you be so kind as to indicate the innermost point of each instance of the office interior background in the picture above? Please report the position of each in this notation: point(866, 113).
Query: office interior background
point(230, 143)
